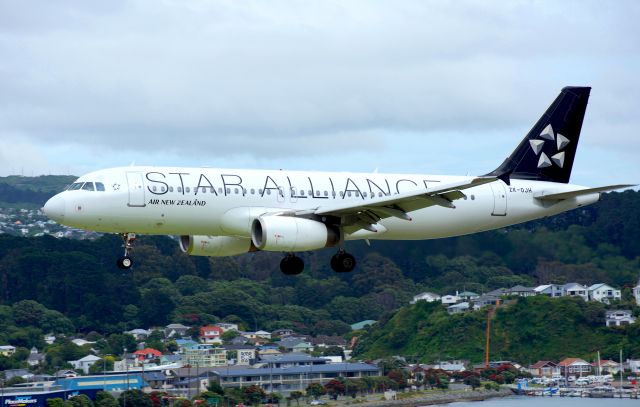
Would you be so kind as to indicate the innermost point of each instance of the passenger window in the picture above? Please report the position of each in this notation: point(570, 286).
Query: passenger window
point(349, 194)
point(235, 191)
point(228, 190)
point(379, 194)
point(326, 193)
point(170, 189)
point(88, 186)
point(268, 192)
point(317, 193)
point(310, 193)
point(220, 190)
point(187, 189)
point(364, 194)
point(161, 188)
point(253, 191)
point(99, 186)
point(179, 189)
point(260, 191)
point(301, 192)
point(341, 194)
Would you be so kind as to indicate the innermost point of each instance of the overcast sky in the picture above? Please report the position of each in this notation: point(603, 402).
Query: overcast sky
point(438, 87)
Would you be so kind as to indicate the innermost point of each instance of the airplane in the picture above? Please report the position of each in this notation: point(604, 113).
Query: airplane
point(227, 212)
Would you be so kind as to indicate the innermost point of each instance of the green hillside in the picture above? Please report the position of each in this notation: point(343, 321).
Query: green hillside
point(27, 192)
point(525, 330)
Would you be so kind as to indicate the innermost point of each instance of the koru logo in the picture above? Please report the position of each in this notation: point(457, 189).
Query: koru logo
point(560, 141)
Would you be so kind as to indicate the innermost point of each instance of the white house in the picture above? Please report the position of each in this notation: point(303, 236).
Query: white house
point(7, 350)
point(449, 299)
point(619, 318)
point(458, 308)
point(604, 293)
point(522, 291)
point(576, 290)
point(636, 293)
point(426, 296)
point(139, 333)
point(227, 326)
point(85, 363)
point(82, 342)
point(551, 290)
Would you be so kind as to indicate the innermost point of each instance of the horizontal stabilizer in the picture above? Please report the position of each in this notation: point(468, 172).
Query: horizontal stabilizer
point(572, 194)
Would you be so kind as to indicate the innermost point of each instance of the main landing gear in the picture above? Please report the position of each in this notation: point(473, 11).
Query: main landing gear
point(341, 262)
point(125, 261)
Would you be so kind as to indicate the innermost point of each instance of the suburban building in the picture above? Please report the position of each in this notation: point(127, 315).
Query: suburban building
point(574, 366)
point(139, 334)
point(227, 326)
point(426, 296)
point(204, 355)
point(362, 324)
point(636, 293)
point(606, 367)
point(449, 299)
point(283, 332)
point(604, 293)
point(7, 350)
point(484, 301)
point(551, 290)
point(245, 354)
point(147, 354)
point(175, 330)
point(576, 290)
point(85, 363)
point(498, 292)
point(458, 308)
point(35, 358)
point(211, 334)
point(544, 368)
point(522, 291)
point(619, 317)
point(467, 296)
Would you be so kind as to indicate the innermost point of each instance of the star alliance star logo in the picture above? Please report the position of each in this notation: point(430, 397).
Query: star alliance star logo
point(560, 141)
point(116, 187)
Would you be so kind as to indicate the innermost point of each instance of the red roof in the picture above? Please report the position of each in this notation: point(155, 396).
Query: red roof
point(147, 351)
point(211, 328)
point(570, 361)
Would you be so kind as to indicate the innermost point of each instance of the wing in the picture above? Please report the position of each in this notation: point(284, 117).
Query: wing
point(365, 214)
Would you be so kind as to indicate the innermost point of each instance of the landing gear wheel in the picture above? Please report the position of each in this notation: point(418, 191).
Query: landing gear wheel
point(291, 265)
point(343, 262)
point(124, 262)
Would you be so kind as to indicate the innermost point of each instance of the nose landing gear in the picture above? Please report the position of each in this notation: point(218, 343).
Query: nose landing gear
point(125, 261)
point(343, 262)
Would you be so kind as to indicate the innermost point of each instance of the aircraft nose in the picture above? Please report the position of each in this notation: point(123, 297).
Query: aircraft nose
point(55, 208)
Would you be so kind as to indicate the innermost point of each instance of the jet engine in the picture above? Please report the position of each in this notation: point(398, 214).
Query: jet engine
point(215, 246)
point(292, 234)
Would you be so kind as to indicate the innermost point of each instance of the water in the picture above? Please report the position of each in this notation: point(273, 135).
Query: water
point(524, 401)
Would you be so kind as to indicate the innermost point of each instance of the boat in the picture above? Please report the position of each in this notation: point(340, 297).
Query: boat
point(601, 392)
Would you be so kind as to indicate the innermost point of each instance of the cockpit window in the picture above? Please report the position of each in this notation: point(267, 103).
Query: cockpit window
point(99, 186)
point(75, 186)
point(88, 186)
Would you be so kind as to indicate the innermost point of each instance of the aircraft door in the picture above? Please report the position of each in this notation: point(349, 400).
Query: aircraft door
point(499, 199)
point(136, 189)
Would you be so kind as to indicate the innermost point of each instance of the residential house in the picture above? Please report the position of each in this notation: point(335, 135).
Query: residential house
point(544, 368)
point(65, 373)
point(449, 299)
point(139, 334)
point(606, 367)
point(576, 290)
point(484, 301)
point(35, 358)
point(458, 308)
point(550, 290)
point(467, 296)
point(239, 340)
point(604, 293)
point(184, 343)
point(295, 343)
point(574, 366)
point(227, 326)
point(175, 330)
point(49, 339)
point(170, 359)
point(636, 292)
point(451, 366)
point(85, 363)
point(426, 296)
point(498, 292)
point(324, 341)
point(211, 334)
point(256, 334)
point(619, 317)
point(282, 332)
point(362, 324)
point(147, 354)
point(11, 373)
point(522, 291)
point(7, 350)
point(245, 355)
point(205, 355)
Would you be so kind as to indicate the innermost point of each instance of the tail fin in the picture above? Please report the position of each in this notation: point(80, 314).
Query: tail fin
point(548, 150)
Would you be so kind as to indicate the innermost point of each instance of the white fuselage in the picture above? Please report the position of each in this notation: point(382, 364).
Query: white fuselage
point(217, 202)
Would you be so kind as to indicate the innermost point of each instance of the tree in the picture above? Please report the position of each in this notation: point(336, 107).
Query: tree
point(134, 398)
point(81, 401)
point(254, 394)
point(334, 388)
point(473, 381)
point(296, 395)
point(315, 390)
point(55, 402)
point(228, 336)
point(215, 387)
point(105, 399)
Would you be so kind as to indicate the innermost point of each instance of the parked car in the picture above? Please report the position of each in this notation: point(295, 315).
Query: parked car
point(317, 402)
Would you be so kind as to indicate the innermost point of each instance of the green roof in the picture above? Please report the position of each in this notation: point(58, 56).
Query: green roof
point(362, 324)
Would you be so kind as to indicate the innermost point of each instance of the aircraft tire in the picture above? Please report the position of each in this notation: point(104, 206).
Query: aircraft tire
point(124, 262)
point(291, 265)
point(343, 262)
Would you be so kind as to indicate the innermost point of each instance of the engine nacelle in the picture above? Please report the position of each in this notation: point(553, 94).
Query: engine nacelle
point(215, 246)
point(291, 234)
